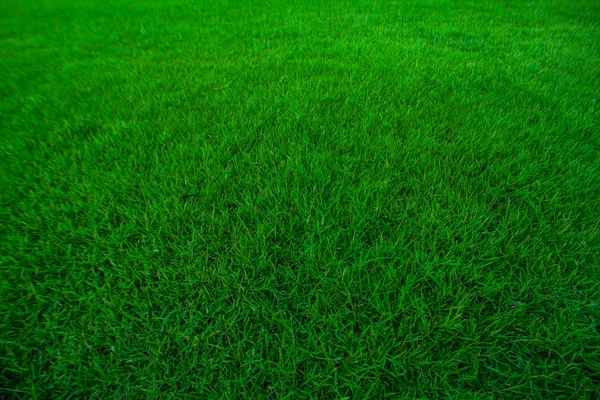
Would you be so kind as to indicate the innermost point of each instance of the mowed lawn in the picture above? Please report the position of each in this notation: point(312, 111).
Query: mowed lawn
point(300, 199)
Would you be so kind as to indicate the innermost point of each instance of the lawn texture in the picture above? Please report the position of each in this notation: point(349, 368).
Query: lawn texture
point(300, 199)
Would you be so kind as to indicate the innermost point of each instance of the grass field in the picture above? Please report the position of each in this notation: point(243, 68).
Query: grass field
point(300, 199)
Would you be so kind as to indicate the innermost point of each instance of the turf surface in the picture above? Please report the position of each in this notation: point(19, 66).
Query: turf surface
point(300, 199)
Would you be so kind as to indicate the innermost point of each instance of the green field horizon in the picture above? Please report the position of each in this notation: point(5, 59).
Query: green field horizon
point(300, 199)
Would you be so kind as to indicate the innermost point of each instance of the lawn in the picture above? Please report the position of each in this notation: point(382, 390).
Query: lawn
point(300, 199)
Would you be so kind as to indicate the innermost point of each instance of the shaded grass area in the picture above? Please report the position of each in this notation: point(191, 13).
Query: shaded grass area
point(299, 199)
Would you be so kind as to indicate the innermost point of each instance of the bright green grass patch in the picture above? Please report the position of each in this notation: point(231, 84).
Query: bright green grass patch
point(295, 199)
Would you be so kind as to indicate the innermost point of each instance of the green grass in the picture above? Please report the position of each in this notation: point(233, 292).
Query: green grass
point(300, 199)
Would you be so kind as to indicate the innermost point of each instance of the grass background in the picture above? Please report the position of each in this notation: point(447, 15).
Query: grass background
point(294, 199)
